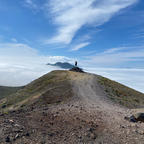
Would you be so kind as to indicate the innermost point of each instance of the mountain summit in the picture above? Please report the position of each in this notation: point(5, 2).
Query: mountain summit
point(70, 107)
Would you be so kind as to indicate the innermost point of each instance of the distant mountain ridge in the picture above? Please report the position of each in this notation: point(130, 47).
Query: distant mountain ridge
point(64, 65)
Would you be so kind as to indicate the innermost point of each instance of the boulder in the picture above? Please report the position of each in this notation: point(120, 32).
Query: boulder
point(77, 69)
point(138, 117)
point(7, 139)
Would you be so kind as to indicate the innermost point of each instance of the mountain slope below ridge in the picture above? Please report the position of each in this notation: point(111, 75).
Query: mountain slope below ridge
point(69, 107)
point(6, 91)
point(61, 82)
point(122, 94)
point(51, 84)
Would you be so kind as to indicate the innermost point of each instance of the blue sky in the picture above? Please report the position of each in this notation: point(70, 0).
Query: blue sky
point(97, 33)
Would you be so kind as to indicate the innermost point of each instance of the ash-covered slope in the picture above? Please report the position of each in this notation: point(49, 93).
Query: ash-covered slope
point(70, 107)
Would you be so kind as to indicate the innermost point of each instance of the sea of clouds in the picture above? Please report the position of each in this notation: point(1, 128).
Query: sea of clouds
point(130, 77)
point(19, 75)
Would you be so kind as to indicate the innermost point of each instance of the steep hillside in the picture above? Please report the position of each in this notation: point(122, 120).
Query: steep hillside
point(70, 107)
point(122, 94)
point(51, 88)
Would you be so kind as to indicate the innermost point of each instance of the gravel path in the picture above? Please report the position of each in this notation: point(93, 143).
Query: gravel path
point(94, 99)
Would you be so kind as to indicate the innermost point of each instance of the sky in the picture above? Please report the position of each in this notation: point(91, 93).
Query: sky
point(105, 37)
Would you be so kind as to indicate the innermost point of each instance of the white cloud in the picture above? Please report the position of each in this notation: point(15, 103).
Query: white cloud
point(30, 4)
point(19, 75)
point(115, 56)
point(79, 46)
point(83, 38)
point(19, 53)
point(16, 49)
point(70, 16)
point(14, 40)
point(20, 64)
point(113, 50)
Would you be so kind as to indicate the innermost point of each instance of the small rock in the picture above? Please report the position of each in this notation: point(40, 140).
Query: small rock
point(16, 125)
point(3, 106)
point(12, 121)
point(57, 113)
point(41, 120)
point(93, 136)
point(80, 137)
point(51, 123)
point(77, 118)
point(27, 134)
point(44, 114)
point(51, 134)
point(132, 125)
point(91, 129)
point(7, 139)
point(122, 126)
point(138, 117)
point(17, 136)
point(1, 114)
point(77, 69)
point(140, 132)
point(73, 134)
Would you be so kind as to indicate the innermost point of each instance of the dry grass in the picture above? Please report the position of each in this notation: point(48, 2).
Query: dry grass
point(6, 91)
point(53, 87)
point(122, 94)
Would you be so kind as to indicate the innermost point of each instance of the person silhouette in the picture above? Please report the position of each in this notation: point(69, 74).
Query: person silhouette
point(75, 63)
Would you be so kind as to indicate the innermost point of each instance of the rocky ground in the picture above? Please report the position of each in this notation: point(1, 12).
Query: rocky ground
point(86, 118)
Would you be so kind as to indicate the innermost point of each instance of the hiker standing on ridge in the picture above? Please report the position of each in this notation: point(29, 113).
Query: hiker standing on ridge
point(75, 63)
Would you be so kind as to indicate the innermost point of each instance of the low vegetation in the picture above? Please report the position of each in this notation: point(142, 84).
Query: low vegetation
point(6, 91)
point(52, 88)
point(121, 94)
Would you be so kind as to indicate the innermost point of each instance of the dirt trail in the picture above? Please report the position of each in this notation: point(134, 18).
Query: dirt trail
point(95, 101)
point(88, 90)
